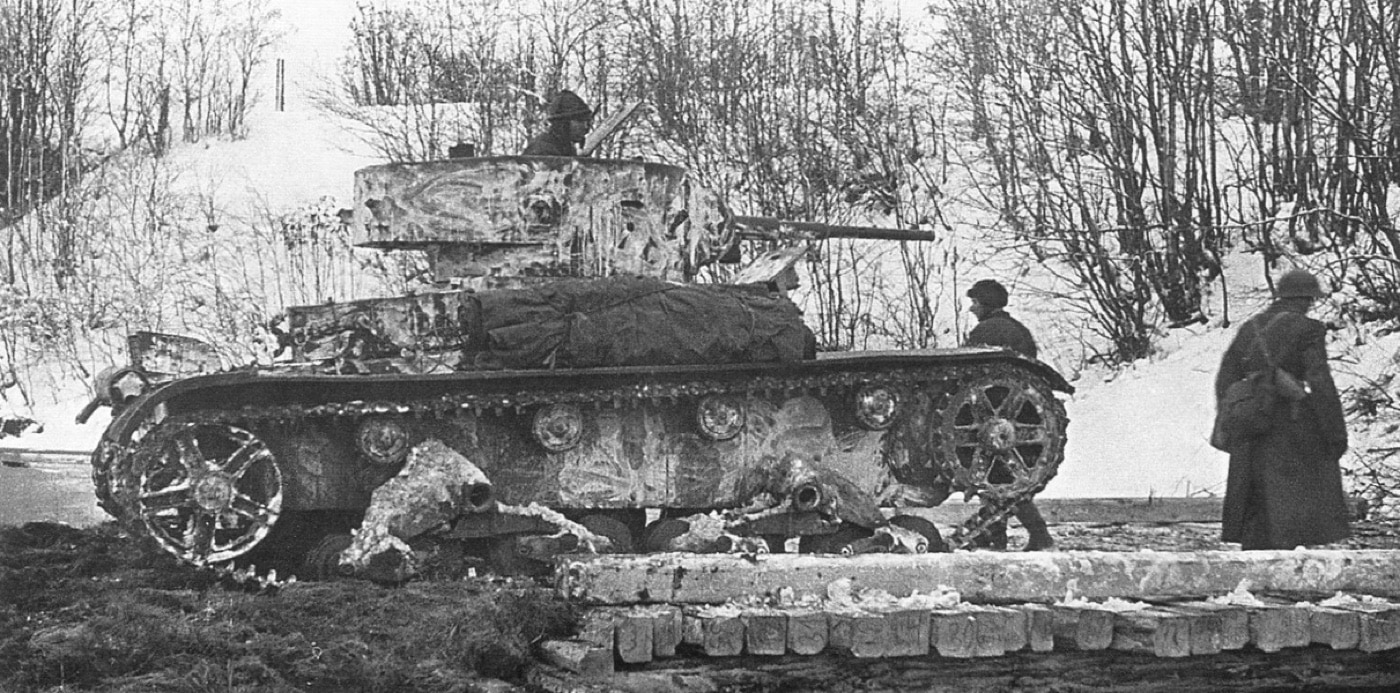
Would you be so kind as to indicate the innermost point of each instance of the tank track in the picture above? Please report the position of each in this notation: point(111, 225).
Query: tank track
point(114, 463)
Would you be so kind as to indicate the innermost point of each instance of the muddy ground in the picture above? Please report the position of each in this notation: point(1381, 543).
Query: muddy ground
point(93, 610)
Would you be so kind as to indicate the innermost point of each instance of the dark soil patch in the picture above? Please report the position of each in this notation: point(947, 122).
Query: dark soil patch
point(93, 610)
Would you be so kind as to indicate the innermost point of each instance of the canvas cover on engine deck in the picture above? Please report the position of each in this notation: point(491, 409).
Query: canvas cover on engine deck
point(638, 321)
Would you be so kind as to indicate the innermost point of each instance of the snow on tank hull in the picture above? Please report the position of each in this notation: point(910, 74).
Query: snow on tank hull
point(631, 439)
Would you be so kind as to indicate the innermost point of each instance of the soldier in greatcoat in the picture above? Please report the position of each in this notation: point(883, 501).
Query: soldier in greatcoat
point(996, 327)
point(570, 119)
point(1284, 488)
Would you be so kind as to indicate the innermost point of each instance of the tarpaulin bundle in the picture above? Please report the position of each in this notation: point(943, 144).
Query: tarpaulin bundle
point(637, 321)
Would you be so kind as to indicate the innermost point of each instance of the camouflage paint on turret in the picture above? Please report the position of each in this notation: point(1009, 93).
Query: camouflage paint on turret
point(526, 217)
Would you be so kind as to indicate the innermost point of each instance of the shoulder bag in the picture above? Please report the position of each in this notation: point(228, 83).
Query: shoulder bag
point(1248, 406)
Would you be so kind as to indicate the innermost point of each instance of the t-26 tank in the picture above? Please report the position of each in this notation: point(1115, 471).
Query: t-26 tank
point(567, 385)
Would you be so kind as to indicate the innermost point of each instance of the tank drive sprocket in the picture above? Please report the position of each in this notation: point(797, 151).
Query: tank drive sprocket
point(1002, 436)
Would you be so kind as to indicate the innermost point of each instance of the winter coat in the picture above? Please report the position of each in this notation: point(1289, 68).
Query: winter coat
point(552, 142)
point(998, 328)
point(1284, 488)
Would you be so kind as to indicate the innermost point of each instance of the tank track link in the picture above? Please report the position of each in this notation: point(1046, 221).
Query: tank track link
point(114, 463)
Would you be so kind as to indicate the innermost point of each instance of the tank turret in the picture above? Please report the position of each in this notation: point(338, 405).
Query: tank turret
point(502, 222)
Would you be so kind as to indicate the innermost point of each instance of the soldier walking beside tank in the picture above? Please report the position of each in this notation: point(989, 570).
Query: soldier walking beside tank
point(1284, 487)
point(570, 119)
point(996, 327)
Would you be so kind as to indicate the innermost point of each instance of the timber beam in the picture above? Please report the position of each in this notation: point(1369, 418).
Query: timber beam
point(1157, 510)
point(981, 577)
point(911, 628)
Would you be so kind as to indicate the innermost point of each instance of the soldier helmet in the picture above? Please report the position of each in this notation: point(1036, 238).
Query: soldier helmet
point(989, 292)
point(567, 105)
point(1298, 284)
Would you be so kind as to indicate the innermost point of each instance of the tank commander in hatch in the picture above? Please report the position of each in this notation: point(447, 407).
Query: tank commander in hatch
point(995, 327)
point(570, 119)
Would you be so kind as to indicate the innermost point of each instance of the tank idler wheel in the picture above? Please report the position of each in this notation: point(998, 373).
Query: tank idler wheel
point(658, 535)
point(614, 529)
point(923, 527)
point(845, 541)
point(208, 493)
point(323, 560)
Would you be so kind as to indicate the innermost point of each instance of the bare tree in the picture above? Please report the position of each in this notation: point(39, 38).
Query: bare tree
point(1098, 121)
point(449, 71)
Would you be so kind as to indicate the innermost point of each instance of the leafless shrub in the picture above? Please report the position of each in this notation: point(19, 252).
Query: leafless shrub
point(1097, 128)
point(809, 112)
point(1317, 94)
point(1372, 466)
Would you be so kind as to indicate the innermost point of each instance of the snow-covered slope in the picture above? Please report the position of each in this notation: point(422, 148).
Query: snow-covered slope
point(1137, 431)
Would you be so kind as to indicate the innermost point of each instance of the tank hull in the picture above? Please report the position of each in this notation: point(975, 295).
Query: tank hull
point(639, 442)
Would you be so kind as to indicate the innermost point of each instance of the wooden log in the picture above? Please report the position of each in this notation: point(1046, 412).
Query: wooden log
point(807, 631)
point(582, 658)
point(979, 576)
point(634, 629)
point(1008, 623)
point(857, 632)
point(1339, 629)
point(1105, 510)
point(765, 631)
point(718, 631)
point(1273, 627)
point(666, 629)
point(840, 627)
point(906, 631)
point(1234, 621)
point(991, 626)
point(1040, 626)
point(1158, 632)
point(597, 627)
point(869, 635)
point(1380, 625)
point(953, 632)
point(1082, 627)
point(1205, 628)
point(692, 627)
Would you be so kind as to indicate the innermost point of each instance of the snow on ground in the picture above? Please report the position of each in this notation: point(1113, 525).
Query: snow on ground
point(1144, 431)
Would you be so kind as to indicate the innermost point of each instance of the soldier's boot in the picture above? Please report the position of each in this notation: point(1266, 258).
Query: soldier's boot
point(1031, 519)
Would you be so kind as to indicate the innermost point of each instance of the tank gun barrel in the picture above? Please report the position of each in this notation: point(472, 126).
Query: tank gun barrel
point(771, 229)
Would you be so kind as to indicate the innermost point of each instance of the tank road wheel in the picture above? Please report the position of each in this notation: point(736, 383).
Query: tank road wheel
point(844, 541)
point(658, 535)
point(924, 528)
point(1003, 435)
point(208, 492)
point(613, 528)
